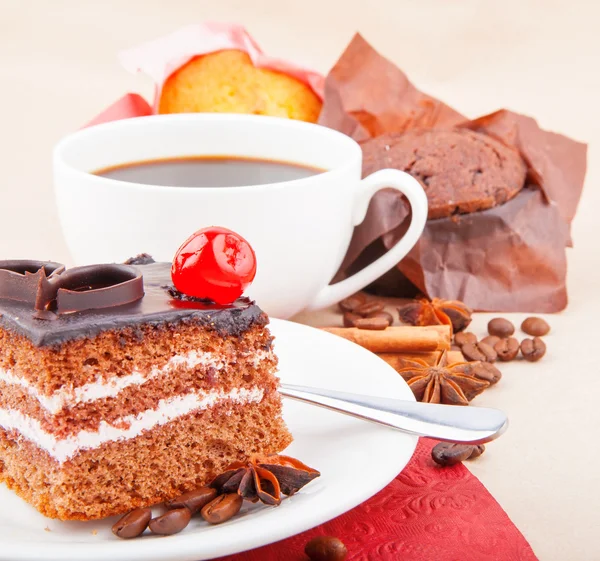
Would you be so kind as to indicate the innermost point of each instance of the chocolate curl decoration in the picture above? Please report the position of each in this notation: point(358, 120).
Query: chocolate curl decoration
point(98, 286)
point(48, 289)
point(29, 281)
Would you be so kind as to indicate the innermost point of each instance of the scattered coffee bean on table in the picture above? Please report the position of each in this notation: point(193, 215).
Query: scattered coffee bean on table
point(490, 340)
point(465, 338)
point(172, 522)
point(383, 314)
point(378, 324)
point(351, 303)
point(132, 524)
point(369, 307)
point(485, 371)
point(478, 449)
point(350, 318)
point(479, 352)
point(326, 548)
point(222, 508)
point(193, 500)
point(500, 327)
point(533, 349)
point(535, 326)
point(450, 453)
point(507, 349)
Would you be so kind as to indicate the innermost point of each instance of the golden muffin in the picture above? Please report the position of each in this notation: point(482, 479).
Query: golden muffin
point(228, 82)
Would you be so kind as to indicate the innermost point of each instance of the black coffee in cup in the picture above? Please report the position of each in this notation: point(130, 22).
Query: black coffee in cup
point(208, 171)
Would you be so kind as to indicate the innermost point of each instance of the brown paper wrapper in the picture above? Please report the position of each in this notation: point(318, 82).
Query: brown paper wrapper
point(509, 258)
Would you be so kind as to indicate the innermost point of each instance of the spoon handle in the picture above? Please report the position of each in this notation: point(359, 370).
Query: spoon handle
point(452, 423)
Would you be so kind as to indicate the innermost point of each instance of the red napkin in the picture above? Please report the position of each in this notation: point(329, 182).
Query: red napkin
point(427, 513)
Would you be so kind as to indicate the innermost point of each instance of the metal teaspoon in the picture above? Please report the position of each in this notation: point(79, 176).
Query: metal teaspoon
point(452, 423)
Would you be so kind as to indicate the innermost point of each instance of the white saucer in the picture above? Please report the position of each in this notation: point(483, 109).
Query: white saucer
point(342, 448)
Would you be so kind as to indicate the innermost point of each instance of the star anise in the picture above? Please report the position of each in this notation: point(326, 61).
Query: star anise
point(265, 478)
point(437, 312)
point(450, 384)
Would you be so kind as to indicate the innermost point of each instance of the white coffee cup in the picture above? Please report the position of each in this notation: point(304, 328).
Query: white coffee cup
point(300, 229)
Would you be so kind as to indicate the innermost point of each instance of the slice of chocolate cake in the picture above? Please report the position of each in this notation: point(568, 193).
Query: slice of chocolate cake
point(116, 392)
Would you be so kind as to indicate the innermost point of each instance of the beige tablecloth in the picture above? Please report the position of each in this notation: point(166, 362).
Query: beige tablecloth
point(58, 68)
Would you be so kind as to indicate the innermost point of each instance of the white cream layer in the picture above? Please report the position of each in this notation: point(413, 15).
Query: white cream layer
point(168, 410)
point(111, 387)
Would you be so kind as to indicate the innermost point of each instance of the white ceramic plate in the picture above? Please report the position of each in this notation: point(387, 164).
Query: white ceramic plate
point(342, 448)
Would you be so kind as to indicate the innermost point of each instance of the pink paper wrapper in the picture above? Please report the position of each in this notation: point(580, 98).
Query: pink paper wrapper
point(130, 105)
point(163, 56)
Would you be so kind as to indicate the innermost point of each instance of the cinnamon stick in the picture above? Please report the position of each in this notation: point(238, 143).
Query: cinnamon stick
point(455, 356)
point(443, 330)
point(406, 339)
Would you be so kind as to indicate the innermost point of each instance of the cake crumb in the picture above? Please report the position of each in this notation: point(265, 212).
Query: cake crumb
point(46, 529)
point(94, 532)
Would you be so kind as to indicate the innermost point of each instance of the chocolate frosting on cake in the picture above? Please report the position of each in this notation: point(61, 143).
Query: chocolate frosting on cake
point(159, 304)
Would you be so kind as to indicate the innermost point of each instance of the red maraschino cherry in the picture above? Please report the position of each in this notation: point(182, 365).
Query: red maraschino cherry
point(214, 263)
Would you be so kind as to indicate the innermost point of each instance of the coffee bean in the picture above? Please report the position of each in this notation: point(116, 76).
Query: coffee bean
point(533, 349)
point(485, 371)
point(500, 327)
point(490, 340)
point(451, 453)
point(326, 548)
point(465, 338)
point(193, 500)
point(478, 449)
point(172, 522)
point(378, 324)
point(350, 318)
point(369, 308)
point(383, 314)
point(133, 524)
point(222, 508)
point(535, 326)
point(507, 349)
point(352, 302)
point(479, 351)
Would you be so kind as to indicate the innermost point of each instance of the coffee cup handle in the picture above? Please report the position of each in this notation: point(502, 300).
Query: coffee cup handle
point(408, 186)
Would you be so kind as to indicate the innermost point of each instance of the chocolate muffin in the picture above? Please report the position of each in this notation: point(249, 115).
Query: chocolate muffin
point(462, 171)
